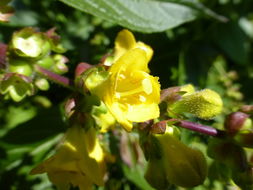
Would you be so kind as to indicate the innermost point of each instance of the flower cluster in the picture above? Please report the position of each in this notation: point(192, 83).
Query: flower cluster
point(122, 91)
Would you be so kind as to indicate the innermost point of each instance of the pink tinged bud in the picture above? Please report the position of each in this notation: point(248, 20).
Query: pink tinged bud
point(60, 66)
point(235, 122)
point(81, 67)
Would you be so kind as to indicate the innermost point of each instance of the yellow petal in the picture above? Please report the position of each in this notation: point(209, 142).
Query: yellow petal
point(146, 48)
point(124, 41)
point(80, 154)
point(134, 59)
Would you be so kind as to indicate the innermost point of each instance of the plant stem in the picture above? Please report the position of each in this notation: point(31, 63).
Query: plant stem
point(64, 81)
point(204, 129)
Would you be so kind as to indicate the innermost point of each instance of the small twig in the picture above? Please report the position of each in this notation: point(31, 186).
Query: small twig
point(64, 81)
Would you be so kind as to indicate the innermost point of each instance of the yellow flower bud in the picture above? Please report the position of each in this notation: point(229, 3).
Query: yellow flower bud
point(204, 104)
point(79, 161)
point(183, 166)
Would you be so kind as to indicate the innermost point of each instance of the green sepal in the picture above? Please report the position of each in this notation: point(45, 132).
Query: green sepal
point(29, 43)
point(94, 78)
point(16, 86)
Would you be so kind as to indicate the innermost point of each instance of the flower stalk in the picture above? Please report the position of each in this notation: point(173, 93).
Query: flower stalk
point(64, 81)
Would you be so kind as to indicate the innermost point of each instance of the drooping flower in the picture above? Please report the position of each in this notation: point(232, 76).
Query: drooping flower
point(130, 93)
point(79, 161)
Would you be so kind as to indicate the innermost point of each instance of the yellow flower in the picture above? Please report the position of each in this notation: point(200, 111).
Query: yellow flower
point(79, 161)
point(130, 93)
point(125, 41)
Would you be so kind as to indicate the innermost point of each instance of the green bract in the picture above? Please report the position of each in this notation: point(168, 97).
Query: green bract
point(94, 78)
point(16, 86)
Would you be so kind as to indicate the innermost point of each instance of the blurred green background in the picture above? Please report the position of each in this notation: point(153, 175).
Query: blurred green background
point(205, 52)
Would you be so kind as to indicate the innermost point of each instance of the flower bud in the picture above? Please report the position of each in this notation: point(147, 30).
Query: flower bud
point(237, 121)
point(60, 66)
point(20, 67)
point(46, 62)
point(183, 166)
point(204, 104)
point(30, 43)
point(54, 40)
point(42, 84)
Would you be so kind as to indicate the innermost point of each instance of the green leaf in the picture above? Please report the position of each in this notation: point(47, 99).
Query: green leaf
point(140, 15)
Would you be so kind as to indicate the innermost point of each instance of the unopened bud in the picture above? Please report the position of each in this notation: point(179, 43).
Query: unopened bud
point(204, 104)
point(237, 121)
point(60, 66)
point(47, 62)
point(42, 84)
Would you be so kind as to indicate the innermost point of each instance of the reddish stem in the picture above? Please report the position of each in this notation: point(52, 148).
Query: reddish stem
point(66, 82)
